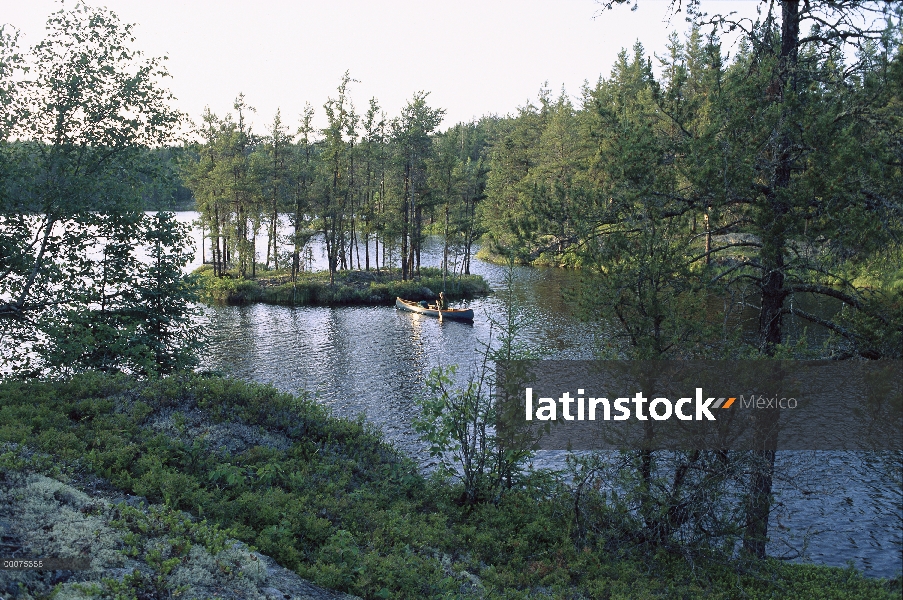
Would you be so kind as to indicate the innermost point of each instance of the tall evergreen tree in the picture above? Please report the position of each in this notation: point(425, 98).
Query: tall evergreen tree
point(335, 170)
point(793, 121)
point(410, 133)
point(277, 148)
point(302, 172)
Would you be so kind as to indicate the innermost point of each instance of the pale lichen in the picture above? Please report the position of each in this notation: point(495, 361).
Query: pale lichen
point(226, 438)
point(146, 549)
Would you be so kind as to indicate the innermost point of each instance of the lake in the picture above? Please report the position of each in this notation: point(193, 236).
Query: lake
point(833, 507)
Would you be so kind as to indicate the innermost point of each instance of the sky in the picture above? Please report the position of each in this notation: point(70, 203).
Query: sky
point(473, 57)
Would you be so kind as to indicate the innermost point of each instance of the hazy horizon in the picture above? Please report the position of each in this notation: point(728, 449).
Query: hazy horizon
point(474, 58)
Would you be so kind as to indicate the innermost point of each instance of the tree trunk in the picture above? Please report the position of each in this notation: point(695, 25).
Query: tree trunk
point(445, 250)
point(214, 234)
point(404, 229)
point(274, 238)
point(253, 233)
point(296, 251)
point(275, 206)
point(418, 231)
point(369, 217)
point(470, 207)
point(773, 232)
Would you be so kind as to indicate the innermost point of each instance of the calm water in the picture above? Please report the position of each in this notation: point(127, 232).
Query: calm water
point(372, 361)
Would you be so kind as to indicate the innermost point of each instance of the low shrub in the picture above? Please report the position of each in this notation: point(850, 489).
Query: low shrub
point(331, 500)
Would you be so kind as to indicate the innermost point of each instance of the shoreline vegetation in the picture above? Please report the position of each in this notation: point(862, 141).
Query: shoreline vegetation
point(350, 288)
point(191, 482)
point(497, 257)
point(882, 272)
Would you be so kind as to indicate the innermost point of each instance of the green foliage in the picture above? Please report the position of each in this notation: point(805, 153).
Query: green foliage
point(456, 423)
point(226, 181)
point(347, 288)
point(138, 315)
point(701, 164)
point(465, 425)
point(758, 176)
point(77, 125)
point(334, 503)
point(369, 188)
point(161, 540)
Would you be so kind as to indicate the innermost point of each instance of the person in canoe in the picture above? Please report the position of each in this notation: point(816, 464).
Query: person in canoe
point(441, 304)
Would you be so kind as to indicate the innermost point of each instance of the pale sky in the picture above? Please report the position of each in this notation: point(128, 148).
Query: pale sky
point(474, 57)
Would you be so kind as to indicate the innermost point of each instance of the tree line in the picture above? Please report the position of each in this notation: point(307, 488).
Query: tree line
point(370, 187)
point(777, 169)
point(694, 189)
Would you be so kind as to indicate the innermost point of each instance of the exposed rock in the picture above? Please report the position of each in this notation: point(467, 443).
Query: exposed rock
point(43, 517)
point(225, 438)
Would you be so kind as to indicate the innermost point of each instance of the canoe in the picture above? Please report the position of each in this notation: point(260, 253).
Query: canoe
point(456, 314)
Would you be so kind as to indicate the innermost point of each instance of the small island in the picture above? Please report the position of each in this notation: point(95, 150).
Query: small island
point(349, 288)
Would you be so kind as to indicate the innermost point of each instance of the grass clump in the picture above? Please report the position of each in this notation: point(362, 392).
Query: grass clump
point(350, 288)
point(329, 499)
